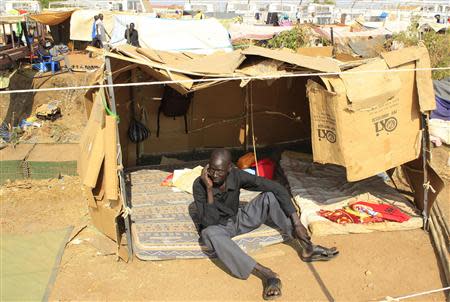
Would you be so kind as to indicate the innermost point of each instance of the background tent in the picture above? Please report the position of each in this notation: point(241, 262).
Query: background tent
point(198, 36)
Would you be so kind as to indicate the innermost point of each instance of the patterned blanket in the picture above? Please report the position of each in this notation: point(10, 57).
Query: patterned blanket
point(316, 187)
point(165, 223)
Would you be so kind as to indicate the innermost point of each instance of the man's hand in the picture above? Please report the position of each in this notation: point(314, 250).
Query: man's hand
point(206, 179)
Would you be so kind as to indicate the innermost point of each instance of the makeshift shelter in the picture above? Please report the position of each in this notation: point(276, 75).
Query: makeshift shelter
point(59, 23)
point(254, 96)
point(199, 36)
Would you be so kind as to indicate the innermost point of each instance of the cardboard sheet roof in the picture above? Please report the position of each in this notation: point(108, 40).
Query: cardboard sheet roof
point(183, 66)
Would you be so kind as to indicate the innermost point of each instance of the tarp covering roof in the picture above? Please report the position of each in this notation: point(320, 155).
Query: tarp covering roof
point(52, 18)
point(254, 32)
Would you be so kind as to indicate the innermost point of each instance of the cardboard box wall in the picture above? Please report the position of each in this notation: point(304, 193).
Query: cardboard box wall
point(368, 123)
point(216, 117)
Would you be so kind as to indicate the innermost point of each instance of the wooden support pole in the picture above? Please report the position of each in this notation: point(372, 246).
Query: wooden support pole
point(123, 194)
point(12, 36)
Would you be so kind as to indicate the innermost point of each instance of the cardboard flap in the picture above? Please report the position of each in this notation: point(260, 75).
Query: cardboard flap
point(423, 77)
point(314, 63)
point(399, 57)
point(367, 89)
point(91, 144)
point(216, 63)
point(424, 81)
point(415, 178)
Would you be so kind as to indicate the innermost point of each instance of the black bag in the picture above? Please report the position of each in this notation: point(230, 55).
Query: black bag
point(137, 132)
point(174, 104)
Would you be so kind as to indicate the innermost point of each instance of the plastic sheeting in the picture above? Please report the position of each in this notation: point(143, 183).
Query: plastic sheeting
point(255, 32)
point(30, 264)
point(81, 24)
point(52, 18)
point(197, 36)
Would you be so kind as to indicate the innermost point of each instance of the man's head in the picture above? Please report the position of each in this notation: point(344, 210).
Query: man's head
point(131, 25)
point(100, 16)
point(219, 166)
point(96, 17)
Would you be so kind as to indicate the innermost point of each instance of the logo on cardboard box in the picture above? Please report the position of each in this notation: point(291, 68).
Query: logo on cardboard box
point(329, 135)
point(388, 125)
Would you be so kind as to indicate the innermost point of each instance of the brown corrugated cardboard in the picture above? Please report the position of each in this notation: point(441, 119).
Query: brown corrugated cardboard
point(216, 63)
point(324, 124)
point(383, 85)
point(415, 178)
point(399, 57)
point(91, 145)
point(319, 64)
point(110, 141)
point(326, 51)
point(423, 77)
point(367, 141)
point(424, 81)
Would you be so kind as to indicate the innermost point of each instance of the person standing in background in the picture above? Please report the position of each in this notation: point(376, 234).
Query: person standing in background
point(100, 30)
point(131, 34)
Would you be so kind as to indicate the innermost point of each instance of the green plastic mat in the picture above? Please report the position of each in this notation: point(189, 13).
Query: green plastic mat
point(44, 170)
point(29, 264)
point(12, 170)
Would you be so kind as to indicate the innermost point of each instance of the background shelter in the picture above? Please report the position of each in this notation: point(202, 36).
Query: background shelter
point(199, 36)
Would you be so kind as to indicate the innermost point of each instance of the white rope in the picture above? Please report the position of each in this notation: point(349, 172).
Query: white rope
point(389, 299)
point(127, 211)
point(253, 130)
point(231, 78)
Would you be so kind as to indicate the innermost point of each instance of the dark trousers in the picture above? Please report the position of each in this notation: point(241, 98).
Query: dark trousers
point(248, 218)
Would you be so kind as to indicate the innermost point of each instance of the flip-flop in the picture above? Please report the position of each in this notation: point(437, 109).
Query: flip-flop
point(321, 253)
point(271, 284)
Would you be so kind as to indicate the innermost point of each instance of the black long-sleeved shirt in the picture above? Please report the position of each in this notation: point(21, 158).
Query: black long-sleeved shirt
point(226, 203)
point(132, 37)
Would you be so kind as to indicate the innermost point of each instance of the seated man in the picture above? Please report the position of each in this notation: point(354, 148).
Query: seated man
point(216, 194)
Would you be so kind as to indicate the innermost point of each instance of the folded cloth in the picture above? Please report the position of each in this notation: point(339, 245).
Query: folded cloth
point(385, 211)
point(167, 182)
point(365, 216)
point(339, 216)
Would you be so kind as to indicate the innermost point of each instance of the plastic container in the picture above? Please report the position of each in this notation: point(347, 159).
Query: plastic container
point(266, 168)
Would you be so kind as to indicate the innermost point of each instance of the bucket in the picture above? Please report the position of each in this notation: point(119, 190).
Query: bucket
point(266, 168)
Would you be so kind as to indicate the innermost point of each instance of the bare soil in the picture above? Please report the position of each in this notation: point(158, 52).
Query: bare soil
point(18, 106)
point(370, 267)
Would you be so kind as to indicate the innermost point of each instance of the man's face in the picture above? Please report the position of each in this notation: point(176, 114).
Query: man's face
point(218, 171)
point(132, 26)
point(100, 17)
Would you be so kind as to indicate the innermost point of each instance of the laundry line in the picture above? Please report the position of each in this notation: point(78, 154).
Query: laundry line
point(220, 79)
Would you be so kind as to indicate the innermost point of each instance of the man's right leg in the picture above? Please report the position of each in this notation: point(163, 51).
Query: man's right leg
point(218, 238)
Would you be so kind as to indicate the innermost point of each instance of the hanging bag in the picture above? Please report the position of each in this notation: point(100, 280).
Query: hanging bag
point(174, 104)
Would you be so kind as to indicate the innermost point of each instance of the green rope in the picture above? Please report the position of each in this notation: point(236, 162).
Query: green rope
point(108, 111)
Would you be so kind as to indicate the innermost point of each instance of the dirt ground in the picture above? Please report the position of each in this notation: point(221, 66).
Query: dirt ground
point(15, 107)
point(370, 267)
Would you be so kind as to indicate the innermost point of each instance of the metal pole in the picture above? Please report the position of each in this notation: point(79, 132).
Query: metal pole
point(123, 193)
point(426, 186)
point(332, 36)
point(4, 34)
point(11, 33)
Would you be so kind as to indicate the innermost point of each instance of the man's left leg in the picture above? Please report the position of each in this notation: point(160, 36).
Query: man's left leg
point(266, 205)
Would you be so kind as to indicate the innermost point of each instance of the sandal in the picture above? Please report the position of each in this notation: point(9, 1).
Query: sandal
point(272, 284)
point(320, 253)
